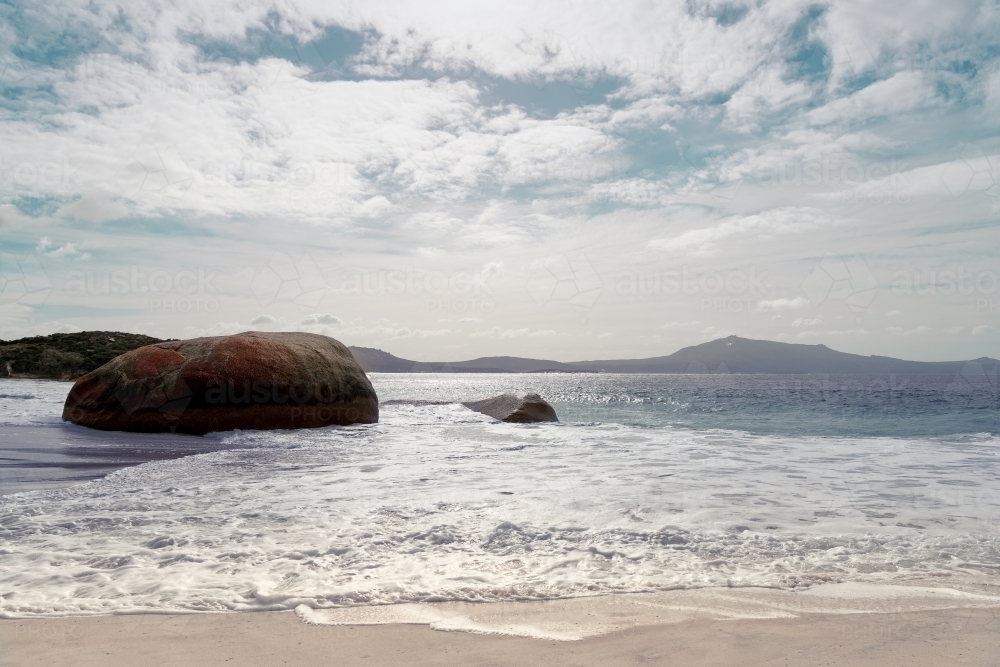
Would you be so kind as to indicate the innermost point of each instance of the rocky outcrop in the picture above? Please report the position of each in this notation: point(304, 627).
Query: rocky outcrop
point(515, 408)
point(248, 381)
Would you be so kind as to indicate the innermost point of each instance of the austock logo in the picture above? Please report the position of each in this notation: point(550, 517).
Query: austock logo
point(155, 169)
point(307, 402)
point(23, 281)
point(290, 279)
point(976, 385)
point(455, 292)
point(974, 170)
point(563, 279)
point(838, 279)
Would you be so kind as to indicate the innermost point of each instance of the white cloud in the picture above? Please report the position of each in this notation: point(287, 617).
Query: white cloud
point(433, 220)
point(806, 322)
point(461, 137)
point(783, 304)
point(262, 319)
point(217, 329)
point(324, 318)
point(901, 93)
point(822, 334)
point(765, 92)
point(981, 330)
point(763, 226)
point(859, 34)
point(915, 331)
point(422, 333)
point(69, 250)
point(497, 332)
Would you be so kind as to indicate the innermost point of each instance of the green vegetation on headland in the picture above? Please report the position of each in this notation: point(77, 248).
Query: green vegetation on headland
point(65, 356)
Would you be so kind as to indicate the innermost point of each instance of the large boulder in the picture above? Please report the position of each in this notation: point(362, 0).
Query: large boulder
point(515, 408)
point(248, 381)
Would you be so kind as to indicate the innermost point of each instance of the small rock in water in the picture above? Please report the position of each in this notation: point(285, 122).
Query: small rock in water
point(515, 408)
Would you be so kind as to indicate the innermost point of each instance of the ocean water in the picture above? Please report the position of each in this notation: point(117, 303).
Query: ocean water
point(648, 484)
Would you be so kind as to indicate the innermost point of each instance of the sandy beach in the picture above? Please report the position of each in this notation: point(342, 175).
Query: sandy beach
point(942, 637)
point(832, 625)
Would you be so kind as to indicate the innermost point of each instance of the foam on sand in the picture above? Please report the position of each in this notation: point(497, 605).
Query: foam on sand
point(578, 618)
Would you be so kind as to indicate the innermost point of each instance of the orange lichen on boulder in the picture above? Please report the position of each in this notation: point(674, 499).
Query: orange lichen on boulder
point(248, 381)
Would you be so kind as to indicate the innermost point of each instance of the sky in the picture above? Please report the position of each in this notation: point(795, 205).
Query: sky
point(554, 180)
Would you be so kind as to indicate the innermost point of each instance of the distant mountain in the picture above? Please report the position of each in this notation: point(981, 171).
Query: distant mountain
point(67, 356)
point(377, 361)
point(724, 355)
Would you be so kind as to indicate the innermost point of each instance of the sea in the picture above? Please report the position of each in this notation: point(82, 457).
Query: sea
point(647, 484)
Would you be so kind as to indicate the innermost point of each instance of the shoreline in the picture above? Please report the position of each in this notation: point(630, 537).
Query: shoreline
point(59, 456)
point(933, 638)
point(571, 619)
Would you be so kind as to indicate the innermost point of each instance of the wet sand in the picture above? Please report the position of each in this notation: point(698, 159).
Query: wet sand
point(932, 638)
point(33, 458)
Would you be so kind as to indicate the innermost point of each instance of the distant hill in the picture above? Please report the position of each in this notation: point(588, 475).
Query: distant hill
point(378, 361)
point(724, 355)
point(66, 356)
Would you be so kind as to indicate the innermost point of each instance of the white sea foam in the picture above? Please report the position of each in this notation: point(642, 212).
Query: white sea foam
point(577, 618)
point(32, 402)
point(437, 503)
